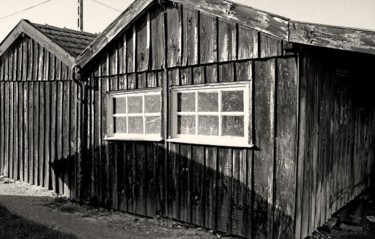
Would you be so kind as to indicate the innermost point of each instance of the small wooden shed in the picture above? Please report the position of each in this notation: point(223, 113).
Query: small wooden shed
point(227, 117)
point(39, 109)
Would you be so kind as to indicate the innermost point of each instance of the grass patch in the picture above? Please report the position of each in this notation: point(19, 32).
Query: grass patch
point(13, 226)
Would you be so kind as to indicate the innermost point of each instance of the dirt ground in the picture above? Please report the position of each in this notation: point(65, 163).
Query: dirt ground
point(46, 208)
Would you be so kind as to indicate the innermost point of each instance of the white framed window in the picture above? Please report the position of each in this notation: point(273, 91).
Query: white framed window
point(212, 114)
point(134, 115)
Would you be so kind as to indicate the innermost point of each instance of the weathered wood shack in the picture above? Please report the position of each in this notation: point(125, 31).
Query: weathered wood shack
point(227, 117)
point(207, 112)
point(39, 106)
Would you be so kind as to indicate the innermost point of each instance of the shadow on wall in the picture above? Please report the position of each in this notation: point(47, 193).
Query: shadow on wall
point(205, 186)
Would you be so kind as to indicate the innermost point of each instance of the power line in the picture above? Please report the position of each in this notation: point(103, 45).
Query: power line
point(34, 6)
point(107, 6)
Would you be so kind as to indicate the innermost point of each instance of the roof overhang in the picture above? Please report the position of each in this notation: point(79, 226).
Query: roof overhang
point(25, 27)
point(342, 38)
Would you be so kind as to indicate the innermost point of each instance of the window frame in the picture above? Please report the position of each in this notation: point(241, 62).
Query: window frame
point(110, 127)
point(219, 140)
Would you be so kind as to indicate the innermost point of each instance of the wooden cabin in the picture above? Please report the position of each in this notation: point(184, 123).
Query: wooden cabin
point(227, 117)
point(39, 108)
point(208, 112)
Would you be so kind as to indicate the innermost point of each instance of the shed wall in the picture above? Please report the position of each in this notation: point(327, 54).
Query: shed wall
point(336, 136)
point(233, 190)
point(38, 118)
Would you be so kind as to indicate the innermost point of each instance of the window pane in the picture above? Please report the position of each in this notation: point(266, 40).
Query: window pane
point(232, 101)
point(208, 102)
point(186, 125)
point(119, 105)
point(153, 125)
point(152, 103)
point(186, 102)
point(233, 126)
point(120, 124)
point(135, 125)
point(208, 125)
point(135, 104)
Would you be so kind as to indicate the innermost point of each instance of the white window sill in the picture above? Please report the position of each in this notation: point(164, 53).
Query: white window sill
point(212, 143)
point(147, 139)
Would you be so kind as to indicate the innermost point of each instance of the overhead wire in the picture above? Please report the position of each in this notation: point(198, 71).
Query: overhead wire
point(24, 10)
point(107, 6)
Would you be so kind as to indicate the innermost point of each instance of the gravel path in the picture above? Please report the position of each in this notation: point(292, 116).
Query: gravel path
point(46, 208)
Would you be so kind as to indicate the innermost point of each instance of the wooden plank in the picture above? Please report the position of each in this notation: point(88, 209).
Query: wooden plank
point(256, 19)
point(212, 74)
point(130, 51)
point(36, 132)
point(152, 79)
point(16, 158)
point(174, 33)
point(7, 127)
point(131, 177)
point(47, 137)
point(59, 163)
point(111, 32)
point(264, 126)
point(30, 104)
point(286, 147)
point(269, 46)
point(208, 39)
point(210, 184)
point(73, 140)
point(121, 55)
point(198, 75)
point(173, 182)
point(248, 43)
point(26, 141)
point(187, 76)
point(238, 192)
point(226, 72)
point(20, 132)
point(248, 200)
point(151, 175)
point(224, 191)
point(332, 37)
point(139, 189)
point(41, 143)
point(122, 176)
point(190, 40)
point(143, 29)
point(157, 39)
point(53, 156)
point(227, 45)
point(11, 130)
point(197, 185)
point(184, 158)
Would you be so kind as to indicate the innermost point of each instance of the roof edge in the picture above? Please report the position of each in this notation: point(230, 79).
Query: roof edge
point(335, 37)
point(24, 26)
point(113, 30)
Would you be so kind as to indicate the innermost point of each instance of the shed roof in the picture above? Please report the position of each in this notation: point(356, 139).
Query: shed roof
point(65, 43)
point(349, 39)
point(72, 41)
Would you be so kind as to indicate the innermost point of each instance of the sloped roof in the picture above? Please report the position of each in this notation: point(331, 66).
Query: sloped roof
point(72, 41)
point(348, 39)
point(66, 44)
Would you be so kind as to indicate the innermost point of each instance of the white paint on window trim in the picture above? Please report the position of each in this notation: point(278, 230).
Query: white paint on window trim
point(111, 135)
point(229, 141)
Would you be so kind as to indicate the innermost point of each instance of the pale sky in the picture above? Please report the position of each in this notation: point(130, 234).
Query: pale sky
point(63, 13)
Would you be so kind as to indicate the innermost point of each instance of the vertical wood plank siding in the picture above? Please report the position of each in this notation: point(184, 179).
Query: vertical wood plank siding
point(31, 103)
point(336, 136)
point(308, 124)
point(216, 187)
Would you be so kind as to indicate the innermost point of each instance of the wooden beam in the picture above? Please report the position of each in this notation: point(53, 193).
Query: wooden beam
point(342, 38)
point(259, 20)
point(27, 28)
point(113, 30)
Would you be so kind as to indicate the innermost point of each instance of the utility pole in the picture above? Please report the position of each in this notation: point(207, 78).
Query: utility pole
point(80, 15)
